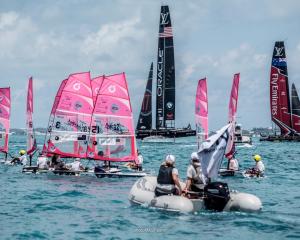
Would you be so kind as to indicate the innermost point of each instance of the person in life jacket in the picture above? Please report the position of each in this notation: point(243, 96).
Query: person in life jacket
point(168, 179)
point(194, 180)
point(22, 159)
point(259, 166)
point(233, 163)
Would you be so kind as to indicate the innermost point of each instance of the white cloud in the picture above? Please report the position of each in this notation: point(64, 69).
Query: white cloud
point(112, 37)
point(8, 19)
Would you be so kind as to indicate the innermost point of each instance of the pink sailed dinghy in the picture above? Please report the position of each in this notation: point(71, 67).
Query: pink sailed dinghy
point(70, 117)
point(201, 111)
point(233, 101)
point(112, 136)
point(31, 140)
point(5, 104)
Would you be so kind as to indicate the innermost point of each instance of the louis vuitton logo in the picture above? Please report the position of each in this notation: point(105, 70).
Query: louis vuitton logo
point(164, 18)
point(279, 51)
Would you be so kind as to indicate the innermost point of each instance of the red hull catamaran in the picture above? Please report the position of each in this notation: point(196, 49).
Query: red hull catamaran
point(285, 115)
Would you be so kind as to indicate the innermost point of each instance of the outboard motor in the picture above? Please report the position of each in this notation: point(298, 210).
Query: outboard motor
point(216, 196)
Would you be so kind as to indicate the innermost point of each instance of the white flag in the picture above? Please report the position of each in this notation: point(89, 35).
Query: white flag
point(211, 152)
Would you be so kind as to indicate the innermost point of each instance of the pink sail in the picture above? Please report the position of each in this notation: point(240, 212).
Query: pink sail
point(5, 105)
point(70, 117)
point(234, 98)
point(31, 141)
point(96, 84)
point(201, 109)
point(52, 115)
point(233, 101)
point(112, 135)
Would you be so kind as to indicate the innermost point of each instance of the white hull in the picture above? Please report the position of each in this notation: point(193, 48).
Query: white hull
point(158, 139)
point(142, 193)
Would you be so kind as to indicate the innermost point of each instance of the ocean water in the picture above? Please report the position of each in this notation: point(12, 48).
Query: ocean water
point(69, 207)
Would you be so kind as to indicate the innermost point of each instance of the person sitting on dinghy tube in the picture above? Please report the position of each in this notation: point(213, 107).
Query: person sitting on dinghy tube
point(168, 179)
point(22, 159)
point(194, 180)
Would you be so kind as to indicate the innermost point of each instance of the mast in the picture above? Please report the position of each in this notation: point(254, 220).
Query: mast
point(279, 90)
point(295, 110)
point(145, 118)
point(5, 105)
point(165, 89)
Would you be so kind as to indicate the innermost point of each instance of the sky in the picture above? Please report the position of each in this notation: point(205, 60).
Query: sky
point(214, 39)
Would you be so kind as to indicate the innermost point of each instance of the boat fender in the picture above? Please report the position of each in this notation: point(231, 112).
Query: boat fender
point(216, 196)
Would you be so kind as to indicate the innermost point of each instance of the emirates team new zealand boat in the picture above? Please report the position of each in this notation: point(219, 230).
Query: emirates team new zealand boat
point(285, 114)
point(165, 89)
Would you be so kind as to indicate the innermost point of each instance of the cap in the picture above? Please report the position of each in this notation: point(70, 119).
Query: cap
point(170, 158)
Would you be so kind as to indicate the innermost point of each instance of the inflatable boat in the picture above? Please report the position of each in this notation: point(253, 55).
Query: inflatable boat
point(215, 196)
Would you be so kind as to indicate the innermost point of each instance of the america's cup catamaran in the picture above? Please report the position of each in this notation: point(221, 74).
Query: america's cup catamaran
point(165, 89)
point(5, 105)
point(284, 114)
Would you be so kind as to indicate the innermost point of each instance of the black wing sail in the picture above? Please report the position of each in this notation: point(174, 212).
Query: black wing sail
point(295, 109)
point(145, 118)
point(165, 90)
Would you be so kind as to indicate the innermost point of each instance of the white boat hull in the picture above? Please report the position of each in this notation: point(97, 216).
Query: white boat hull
point(142, 193)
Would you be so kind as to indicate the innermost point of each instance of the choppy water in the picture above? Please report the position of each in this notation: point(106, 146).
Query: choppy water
point(68, 207)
